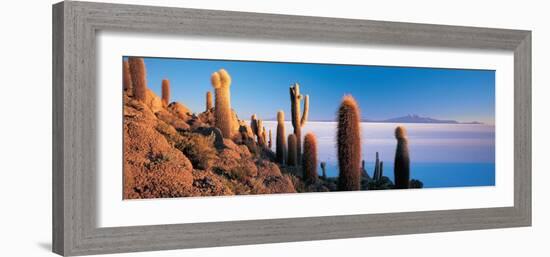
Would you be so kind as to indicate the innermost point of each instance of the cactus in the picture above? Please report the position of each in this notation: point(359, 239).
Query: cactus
point(324, 169)
point(139, 77)
point(221, 81)
point(349, 145)
point(263, 136)
point(364, 169)
point(298, 121)
point(165, 92)
point(380, 170)
point(280, 148)
point(260, 132)
point(292, 154)
point(376, 174)
point(208, 101)
point(402, 161)
point(127, 78)
point(309, 160)
point(269, 142)
point(415, 183)
point(254, 124)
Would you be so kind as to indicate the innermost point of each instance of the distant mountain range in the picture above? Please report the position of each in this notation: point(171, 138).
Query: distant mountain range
point(412, 118)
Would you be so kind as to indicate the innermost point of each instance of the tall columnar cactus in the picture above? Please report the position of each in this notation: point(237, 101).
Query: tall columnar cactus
point(260, 132)
point(127, 78)
point(254, 124)
point(364, 169)
point(263, 136)
point(221, 81)
point(208, 100)
point(380, 170)
point(270, 141)
point(402, 161)
point(349, 145)
point(376, 168)
point(280, 148)
point(292, 152)
point(165, 92)
point(324, 169)
point(298, 121)
point(309, 160)
point(139, 77)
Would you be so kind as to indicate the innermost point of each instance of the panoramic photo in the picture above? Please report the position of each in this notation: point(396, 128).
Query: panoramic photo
point(196, 127)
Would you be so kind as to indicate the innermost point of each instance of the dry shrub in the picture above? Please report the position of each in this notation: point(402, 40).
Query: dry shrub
point(199, 149)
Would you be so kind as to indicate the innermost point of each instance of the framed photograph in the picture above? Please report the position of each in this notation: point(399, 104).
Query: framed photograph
point(183, 128)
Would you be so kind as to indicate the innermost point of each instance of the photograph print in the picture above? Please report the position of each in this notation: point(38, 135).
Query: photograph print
point(197, 127)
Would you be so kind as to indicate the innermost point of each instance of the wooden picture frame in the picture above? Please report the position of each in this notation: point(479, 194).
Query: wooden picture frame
point(75, 25)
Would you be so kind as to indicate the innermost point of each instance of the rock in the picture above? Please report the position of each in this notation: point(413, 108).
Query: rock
point(276, 184)
point(266, 168)
point(152, 167)
point(243, 150)
point(180, 110)
point(172, 120)
point(153, 101)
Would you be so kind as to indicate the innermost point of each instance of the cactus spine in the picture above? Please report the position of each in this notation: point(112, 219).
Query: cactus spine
point(165, 92)
point(309, 160)
point(208, 100)
point(349, 145)
point(324, 169)
point(221, 81)
point(298, 121)
point(402, 160)
point(139, 77)
point(280, 148)
point(292, 154)
point(127, 78)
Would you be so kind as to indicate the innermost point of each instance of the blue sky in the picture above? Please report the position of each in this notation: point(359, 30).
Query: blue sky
point(382, 92)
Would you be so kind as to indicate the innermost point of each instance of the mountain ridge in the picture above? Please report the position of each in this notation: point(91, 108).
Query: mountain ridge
point(409, 118)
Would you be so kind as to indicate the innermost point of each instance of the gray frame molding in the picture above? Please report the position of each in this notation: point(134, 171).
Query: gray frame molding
point(74, 137)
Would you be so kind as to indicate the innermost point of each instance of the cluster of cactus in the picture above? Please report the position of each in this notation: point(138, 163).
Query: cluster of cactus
point(221, 81)
point(138, 77)
point(258, 130)
point(165, 92)
point(349, 145)
point(280, 147)
point(378, 168)
point(309, 160)
point(351, 167)
point(292, 154)
point(402, 161)
point(209, 101)
point(298, 120)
